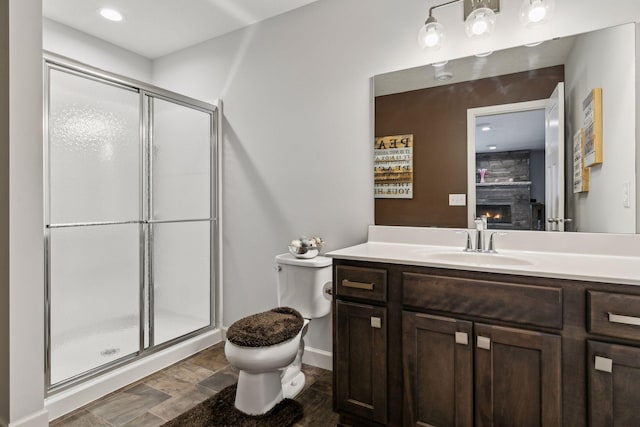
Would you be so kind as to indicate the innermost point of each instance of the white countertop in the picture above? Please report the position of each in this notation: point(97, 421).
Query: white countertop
point(575, 256)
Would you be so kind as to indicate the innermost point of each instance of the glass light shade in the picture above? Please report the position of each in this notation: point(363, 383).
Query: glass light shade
point(431, 35)
point(480, 22)
point(536, 12)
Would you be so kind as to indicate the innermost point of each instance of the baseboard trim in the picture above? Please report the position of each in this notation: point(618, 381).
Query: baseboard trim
point(37, 419)
point(319, 358)
point(68, 400)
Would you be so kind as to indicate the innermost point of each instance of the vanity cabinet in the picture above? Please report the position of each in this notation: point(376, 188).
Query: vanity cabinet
point(360, 343)
point(614, 369)
point(511, 376)
point(517, 377)
point(614, 381)
point(516, 374)
point(437, 351)
point(467, 348)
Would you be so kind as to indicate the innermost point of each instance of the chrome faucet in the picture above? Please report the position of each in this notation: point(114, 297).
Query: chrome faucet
point(468, 244)
point(481, 226)
point(491, 248)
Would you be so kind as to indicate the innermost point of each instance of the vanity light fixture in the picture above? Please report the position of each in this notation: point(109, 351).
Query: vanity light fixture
point(492, 147)
point(479, 21)
point(431, 34)
point(536, 12)
point(485, 128)
point(111, 14)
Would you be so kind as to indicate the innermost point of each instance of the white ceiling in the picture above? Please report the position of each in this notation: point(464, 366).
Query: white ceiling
point(523, 130)
point(153, 28)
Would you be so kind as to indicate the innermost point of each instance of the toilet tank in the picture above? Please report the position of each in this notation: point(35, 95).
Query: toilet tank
point(302, 284)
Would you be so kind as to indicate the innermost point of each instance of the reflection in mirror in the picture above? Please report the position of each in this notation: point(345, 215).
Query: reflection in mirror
point(433, 103)
point(508, 166)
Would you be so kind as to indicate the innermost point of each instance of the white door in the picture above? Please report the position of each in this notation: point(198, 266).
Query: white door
point(554, 160)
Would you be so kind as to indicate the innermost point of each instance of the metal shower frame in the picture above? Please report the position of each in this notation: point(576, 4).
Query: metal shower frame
point(147, 93)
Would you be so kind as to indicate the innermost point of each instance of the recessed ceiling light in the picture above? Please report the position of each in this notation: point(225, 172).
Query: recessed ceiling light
point(492, 147)
point(111, 14)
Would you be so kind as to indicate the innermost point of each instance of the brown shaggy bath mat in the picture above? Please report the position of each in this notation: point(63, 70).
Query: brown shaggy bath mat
point(268, 328)
point(219, 411)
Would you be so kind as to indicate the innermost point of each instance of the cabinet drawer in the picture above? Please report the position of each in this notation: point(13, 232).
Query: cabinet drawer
point(360, 282)
point(509, 302)
point(616, 315)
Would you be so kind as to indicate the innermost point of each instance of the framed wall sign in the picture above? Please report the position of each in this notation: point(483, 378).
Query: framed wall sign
point(393, 167)
point(592, 108)
point(580, 173)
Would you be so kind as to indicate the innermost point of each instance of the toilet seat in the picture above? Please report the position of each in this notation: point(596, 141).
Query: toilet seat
point(266, 329)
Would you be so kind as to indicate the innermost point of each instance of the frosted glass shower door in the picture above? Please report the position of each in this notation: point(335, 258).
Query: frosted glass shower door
point(181, 219)
point(93, 223)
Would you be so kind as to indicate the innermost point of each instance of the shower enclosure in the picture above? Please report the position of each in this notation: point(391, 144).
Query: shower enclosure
point(130, 221)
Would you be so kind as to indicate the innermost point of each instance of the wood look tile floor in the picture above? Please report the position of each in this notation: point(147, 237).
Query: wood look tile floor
point(166, 394)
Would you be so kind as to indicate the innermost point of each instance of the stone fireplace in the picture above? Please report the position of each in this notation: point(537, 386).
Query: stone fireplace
point(496, 214)
point(506, 193)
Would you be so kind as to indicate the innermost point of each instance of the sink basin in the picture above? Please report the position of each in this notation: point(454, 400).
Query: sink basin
point(477, 258)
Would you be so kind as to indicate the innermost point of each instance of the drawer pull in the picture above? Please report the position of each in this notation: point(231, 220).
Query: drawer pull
point(462, 338)
point(484, 343)
point(627, 320)
point(376, 322)
point(603, 364)
point(358, 285)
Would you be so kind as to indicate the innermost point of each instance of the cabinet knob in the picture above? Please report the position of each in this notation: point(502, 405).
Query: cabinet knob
point(603, 364)
point(462, 338)
point(376, 322)
point(484, 343)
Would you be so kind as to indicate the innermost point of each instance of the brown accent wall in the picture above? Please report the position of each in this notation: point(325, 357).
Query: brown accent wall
point(437, 118)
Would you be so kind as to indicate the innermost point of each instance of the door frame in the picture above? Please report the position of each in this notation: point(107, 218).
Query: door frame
point(472, 115)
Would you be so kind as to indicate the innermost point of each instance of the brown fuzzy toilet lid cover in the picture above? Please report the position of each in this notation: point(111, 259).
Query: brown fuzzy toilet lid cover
point(271, 327)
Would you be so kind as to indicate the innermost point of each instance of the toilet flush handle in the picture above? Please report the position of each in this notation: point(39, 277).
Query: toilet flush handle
point(277, 268)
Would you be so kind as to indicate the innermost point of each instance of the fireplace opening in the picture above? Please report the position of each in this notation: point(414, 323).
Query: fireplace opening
point(496, 214)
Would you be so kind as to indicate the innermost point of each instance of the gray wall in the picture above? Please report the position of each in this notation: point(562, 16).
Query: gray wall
point(584, 71)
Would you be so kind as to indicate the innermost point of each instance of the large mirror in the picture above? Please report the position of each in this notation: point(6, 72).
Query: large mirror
point(503, 135)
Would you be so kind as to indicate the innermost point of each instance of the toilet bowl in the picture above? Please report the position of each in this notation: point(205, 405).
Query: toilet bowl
point(267, 347)
point(262, 371)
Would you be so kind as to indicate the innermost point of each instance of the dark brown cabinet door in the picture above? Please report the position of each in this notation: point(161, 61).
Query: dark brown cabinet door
point(518, 377)
point(438, 370)
point(361, 360)
point(614, 382)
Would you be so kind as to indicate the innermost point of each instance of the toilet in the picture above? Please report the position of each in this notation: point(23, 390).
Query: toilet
point(267, 347)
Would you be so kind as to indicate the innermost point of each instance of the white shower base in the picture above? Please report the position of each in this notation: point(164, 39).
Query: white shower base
point(75, 356)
